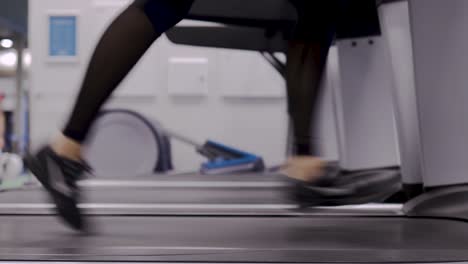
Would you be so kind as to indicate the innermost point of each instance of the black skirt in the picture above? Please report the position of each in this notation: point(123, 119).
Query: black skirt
point(346, 18)
point(359, 18)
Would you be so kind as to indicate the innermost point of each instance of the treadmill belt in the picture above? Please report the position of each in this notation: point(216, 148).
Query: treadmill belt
point(237, 240)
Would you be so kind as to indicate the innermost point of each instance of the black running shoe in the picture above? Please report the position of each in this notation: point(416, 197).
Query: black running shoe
point(59, 175)
point(360, 187)
point(316, 193)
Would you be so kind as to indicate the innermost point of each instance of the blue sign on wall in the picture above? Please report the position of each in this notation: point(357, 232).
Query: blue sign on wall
point(62, 36)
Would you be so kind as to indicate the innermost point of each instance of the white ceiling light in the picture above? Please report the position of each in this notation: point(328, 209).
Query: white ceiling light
point(6, 43)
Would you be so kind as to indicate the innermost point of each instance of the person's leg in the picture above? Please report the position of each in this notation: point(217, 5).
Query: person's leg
point(120, 48)
point(59, 166)
point(304, 71)
point(306, 60)
point(305, 66)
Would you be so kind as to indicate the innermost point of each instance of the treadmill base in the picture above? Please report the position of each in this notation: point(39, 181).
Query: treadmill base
point(237, 239)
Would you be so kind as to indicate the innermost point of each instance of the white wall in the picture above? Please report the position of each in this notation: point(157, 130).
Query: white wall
point(255, 122)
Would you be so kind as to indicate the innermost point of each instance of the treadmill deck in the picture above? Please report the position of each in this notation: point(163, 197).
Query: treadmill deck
point(240, 239)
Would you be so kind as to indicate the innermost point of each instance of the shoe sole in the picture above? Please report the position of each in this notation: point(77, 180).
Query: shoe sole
point(66, 207)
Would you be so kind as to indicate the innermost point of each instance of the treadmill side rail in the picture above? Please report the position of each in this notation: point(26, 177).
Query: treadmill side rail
point(447, 202)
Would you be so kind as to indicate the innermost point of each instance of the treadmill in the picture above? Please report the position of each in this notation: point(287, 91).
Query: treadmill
point(431, 228)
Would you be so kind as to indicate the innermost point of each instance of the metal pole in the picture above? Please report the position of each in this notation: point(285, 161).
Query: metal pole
point(182, 138)
point(18, 116)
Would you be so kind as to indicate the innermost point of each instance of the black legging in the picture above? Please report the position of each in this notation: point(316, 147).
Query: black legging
point(306, 59)
point(137, 27)
point(119, 49)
